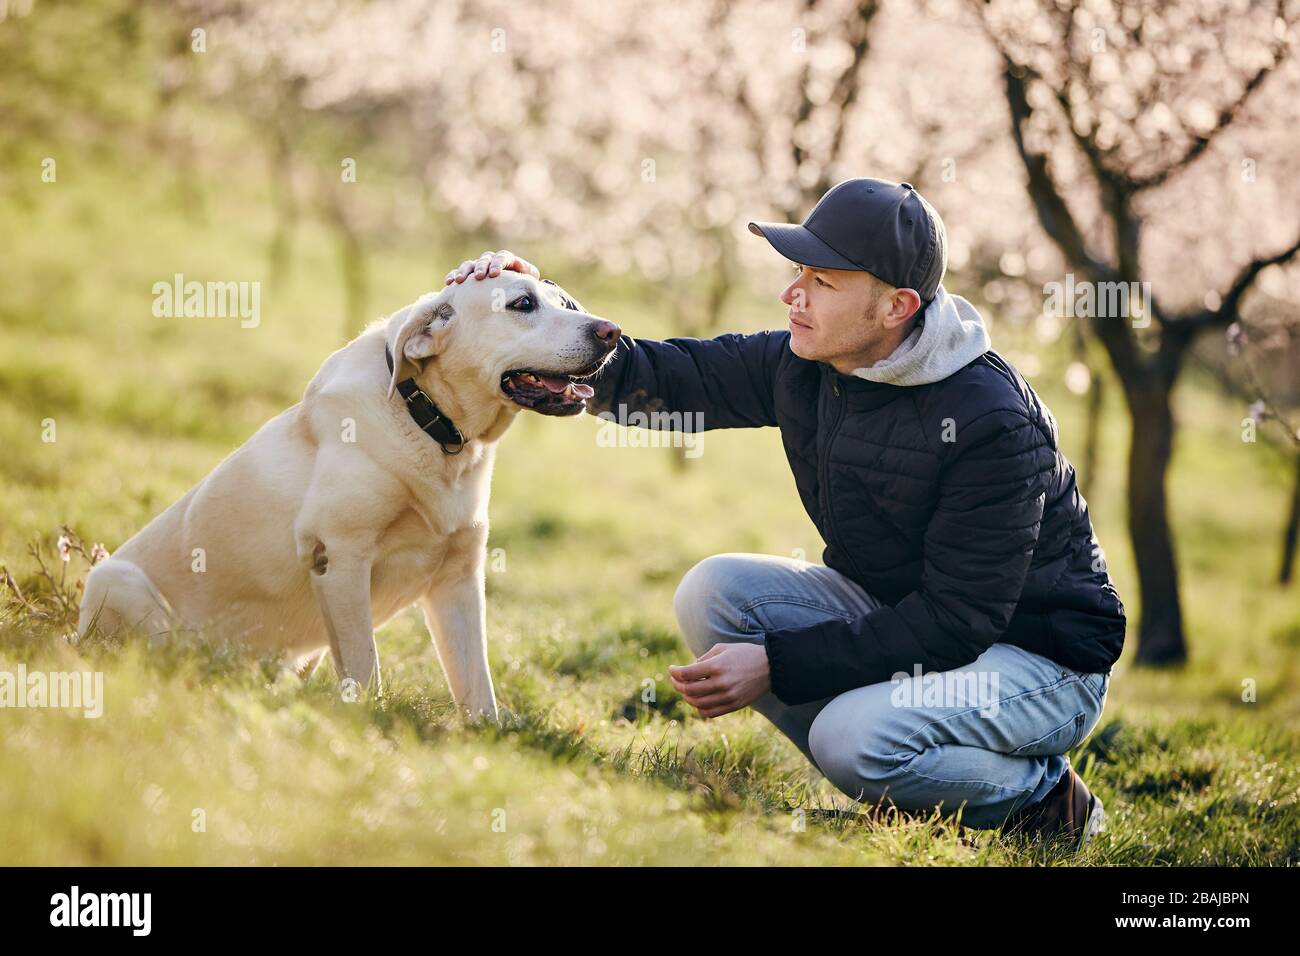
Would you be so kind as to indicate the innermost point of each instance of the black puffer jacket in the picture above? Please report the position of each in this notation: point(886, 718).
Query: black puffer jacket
point(949, 502)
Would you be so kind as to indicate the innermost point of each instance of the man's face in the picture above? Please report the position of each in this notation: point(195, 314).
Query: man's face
point(837, 316)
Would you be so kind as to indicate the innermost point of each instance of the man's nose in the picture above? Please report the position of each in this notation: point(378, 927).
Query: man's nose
point(606, 333)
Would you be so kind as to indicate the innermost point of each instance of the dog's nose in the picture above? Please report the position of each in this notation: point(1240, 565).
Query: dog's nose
point(606, 332)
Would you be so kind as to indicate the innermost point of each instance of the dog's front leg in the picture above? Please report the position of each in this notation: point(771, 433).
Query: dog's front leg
point(341, 579)
point(337, 539)
point(455, 611)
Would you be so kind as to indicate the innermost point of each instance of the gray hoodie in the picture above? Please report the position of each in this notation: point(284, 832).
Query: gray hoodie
point(950, 335)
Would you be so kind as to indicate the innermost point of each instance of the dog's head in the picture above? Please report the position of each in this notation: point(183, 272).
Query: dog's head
point(523, 341)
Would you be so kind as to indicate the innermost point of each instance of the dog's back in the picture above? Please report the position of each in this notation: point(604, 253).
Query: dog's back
point(223, 557)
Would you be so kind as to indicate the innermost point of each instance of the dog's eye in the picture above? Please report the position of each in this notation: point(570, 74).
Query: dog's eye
point(524, 303)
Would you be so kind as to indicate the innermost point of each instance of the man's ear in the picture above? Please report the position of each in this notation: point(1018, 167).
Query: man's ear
point(903, 304)
point(421, 333)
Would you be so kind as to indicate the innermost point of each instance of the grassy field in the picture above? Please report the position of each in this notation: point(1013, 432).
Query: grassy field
point(592, 543)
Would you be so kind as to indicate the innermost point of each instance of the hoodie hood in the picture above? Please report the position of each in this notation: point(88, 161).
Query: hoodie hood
point(950, 335)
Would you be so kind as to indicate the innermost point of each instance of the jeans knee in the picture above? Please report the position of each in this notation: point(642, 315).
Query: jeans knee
point(848, 756)
point(691, 603)
point(698, 603)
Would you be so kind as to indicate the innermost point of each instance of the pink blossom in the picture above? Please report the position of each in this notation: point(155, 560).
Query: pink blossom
point(1233, 337)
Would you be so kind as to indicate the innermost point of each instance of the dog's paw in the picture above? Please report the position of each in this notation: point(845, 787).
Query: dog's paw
point(507, 719)
point(500, 718)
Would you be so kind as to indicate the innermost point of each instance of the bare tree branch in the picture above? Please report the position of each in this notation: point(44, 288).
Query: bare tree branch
point(1053, 214)
point(1230, 302)
point(1281, 50)
point(848, 83)
point(1060, 225)
point(802, 113)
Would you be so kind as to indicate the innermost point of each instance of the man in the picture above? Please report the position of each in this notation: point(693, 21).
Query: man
point(959, 639)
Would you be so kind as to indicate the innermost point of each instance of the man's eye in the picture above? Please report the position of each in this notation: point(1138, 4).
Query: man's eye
point(819, 281)
point(523, 304)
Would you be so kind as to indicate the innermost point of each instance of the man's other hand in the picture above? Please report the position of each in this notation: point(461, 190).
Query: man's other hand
point(727, 677)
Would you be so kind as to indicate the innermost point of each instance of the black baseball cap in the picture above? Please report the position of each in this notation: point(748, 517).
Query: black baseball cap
point(869, 225)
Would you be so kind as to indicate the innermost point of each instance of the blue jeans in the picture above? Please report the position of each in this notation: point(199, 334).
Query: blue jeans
point(989, 737)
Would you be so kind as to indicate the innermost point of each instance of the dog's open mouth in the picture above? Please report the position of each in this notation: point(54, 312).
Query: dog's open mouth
point(547, 392)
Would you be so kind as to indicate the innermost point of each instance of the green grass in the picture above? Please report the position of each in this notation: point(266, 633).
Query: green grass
point(593, 541)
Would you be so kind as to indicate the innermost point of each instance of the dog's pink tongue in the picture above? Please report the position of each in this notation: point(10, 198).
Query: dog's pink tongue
point(561, 385)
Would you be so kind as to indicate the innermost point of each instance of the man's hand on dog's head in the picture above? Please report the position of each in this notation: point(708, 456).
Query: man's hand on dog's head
point(489, 265)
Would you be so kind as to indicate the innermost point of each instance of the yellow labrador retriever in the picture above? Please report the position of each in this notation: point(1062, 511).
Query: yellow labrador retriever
point(369, 495)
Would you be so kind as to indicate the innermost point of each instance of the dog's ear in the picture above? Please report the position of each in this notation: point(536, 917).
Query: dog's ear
point(421, 331)
point(569, 301)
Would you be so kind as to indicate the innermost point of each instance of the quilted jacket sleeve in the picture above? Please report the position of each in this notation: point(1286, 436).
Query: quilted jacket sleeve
point(977, 550)
point(728, 381)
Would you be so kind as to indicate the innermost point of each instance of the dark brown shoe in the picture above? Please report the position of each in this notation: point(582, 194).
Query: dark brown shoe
point(1070, 810)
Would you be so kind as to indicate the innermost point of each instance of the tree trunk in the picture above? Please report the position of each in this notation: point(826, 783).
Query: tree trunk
point(1095, 401)
point(356, 286)
point(352, 262)
point(1160, 633)
point(1092, 432)
point(1292, 530)
point(280, 247)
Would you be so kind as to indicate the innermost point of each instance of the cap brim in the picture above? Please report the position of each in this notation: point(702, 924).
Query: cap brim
point(798, 244)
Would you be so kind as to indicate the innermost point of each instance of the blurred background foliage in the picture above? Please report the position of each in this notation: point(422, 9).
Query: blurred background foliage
point(1113, 141)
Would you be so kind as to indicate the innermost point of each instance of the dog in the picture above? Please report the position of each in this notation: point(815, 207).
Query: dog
point(369, 495)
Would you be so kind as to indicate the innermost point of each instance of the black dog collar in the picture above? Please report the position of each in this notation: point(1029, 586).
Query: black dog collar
point(426, 414)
